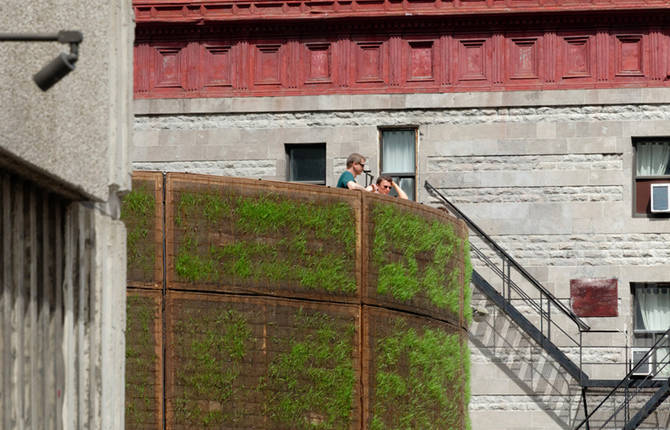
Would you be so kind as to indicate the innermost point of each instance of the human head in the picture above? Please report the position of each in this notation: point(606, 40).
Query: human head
point(384, 184)
point(357, 161)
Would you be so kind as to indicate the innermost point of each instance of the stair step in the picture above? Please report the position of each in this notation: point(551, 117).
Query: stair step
point(529, 328)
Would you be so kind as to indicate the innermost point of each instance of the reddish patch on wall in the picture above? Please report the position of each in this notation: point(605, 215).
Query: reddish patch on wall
point(594, 297)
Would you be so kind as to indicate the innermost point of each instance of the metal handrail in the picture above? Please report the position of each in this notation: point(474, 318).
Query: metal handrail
point(567, 311)
point(626, 379)
point(518, 290)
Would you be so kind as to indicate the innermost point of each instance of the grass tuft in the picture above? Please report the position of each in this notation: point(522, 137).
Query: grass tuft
point(416, 380)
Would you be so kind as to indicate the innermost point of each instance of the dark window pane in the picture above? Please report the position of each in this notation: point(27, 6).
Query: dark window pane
point(307, 163)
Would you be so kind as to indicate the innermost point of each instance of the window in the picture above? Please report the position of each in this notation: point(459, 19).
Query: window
point(651, 302)
point(652, 166)
point(651, 318)
point(307, 163)
point(398, 158)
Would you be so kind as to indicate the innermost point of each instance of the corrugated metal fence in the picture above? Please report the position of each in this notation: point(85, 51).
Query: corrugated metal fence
point(49, 346)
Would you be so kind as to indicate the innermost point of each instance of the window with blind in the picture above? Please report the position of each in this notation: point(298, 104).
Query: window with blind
point(652, 166)
point(398, 158)
point(651, 319)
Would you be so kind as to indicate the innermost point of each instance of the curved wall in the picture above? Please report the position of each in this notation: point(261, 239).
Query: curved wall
point(292, 306)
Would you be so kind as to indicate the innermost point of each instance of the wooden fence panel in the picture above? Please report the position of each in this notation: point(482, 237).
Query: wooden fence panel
point(291, 306)
point(242, 362)
point(142, 212)
point(144, 359)
point(244, 236)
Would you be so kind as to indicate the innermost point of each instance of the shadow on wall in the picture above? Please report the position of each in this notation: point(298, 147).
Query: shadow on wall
point(497, 340)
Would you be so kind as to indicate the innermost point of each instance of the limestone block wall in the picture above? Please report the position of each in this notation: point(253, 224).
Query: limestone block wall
point(287, 306)
point(549, 174)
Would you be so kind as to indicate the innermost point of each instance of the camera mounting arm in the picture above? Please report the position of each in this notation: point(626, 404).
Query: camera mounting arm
point(60, 66)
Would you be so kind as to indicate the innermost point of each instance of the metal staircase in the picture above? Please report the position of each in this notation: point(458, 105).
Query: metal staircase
point(629, 391)
point(544, 318)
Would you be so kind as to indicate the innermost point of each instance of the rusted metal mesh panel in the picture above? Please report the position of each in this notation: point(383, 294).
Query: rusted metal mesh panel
point(415, 258)
point(239, 235)
point(415, 372)
point(142, 212)
point(144, 367)
point(239, 362)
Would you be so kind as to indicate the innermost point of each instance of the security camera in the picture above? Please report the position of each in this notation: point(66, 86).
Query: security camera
point(60, 66)
point(55, 70)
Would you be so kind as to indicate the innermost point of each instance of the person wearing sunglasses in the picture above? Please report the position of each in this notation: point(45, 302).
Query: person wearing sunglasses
point(355, 166)
point(384, 185)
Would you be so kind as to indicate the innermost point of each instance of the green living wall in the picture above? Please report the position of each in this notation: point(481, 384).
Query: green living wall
point(293, 307)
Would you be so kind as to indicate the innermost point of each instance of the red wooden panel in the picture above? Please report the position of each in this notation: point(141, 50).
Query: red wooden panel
point(369, 65)
point(577, 57)
point(472, 60)
point(523, 58)
point(169, 68)
point(628, 52)
point(194, 11)
point(420, 61)
point(267, 65)
point(318, 62)
point(594, 297)
point(216, 65)
point(209, 64)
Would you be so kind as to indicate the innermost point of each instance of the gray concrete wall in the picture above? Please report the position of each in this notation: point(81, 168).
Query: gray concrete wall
point(78, 132)
point(547, 174)
point(62, 318)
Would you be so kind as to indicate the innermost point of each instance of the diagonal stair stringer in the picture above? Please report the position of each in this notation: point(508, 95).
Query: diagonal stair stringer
point(529, 328)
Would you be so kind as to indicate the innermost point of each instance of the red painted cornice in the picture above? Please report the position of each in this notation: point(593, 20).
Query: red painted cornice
point(204, 11)
point(403, 55)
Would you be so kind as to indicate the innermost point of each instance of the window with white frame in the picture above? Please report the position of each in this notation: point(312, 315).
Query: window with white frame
point(307, 163)
point(651, 303)
point(651, 319)
point(652, 166)
point(398, 158)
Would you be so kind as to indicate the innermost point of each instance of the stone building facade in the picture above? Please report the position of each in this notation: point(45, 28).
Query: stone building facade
point(63, 162)
point(526, 115)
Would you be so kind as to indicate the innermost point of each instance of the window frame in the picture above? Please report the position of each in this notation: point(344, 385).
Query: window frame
point(400, 175)
point(288, 147)
point(645, 181)
point(634, 286)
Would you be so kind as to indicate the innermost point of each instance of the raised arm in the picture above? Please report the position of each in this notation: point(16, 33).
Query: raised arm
point(401, 193)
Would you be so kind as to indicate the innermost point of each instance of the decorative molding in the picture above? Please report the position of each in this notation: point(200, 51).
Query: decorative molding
point(238, 10)
point(201, 62)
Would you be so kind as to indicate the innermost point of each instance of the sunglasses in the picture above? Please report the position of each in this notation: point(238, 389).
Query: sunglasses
point(387, 187)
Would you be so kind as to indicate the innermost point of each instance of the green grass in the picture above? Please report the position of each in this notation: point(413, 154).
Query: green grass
point(275, 239)
point(425, 248)
point(211, 351)
point(140, 360)
point(417, 375)
point(138, 209)
point(311, 385)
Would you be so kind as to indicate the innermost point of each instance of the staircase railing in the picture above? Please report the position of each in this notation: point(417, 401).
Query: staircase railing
point(628, 390)
point(551, 316)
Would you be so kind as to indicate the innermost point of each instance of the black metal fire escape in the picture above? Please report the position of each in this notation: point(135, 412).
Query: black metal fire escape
point(551, 317)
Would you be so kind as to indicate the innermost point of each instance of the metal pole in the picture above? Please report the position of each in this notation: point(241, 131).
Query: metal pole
point(586, 411)
point(29, 37)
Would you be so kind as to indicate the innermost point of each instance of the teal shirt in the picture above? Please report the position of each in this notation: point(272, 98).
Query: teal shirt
point(344, 179)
